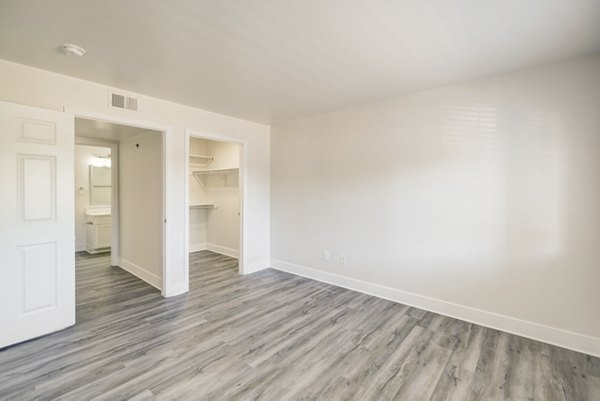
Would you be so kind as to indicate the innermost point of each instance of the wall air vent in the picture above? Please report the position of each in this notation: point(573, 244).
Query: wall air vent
point(131, 103)
point(123, 102)
point(117, 101)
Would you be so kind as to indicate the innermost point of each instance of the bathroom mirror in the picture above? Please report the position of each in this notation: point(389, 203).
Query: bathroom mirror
point(100, 186)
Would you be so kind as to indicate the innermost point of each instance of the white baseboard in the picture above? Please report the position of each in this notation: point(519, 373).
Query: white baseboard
point(141, 273)
point(80, 247)
point(206, 246)
point(551, 335)
point(234, 253)
point(176, 289)
point(256, 266)
point(200, 246)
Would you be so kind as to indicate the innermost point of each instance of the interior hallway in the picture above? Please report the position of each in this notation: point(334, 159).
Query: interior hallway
point(275, 336)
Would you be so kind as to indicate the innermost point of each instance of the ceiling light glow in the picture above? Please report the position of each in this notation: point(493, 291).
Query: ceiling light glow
point(100, 161)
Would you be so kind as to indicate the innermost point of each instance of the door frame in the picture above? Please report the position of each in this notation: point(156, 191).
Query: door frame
point(168, 288)
point(114, 191)
point(190, 133)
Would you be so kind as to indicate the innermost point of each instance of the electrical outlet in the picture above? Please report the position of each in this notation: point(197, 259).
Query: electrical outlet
point(342, 259)
point(326, 256)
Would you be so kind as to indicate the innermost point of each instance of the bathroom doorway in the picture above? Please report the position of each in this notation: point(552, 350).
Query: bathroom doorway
point(119, 196)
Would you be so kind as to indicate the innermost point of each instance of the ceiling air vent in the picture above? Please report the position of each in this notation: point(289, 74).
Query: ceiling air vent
point(123, 102)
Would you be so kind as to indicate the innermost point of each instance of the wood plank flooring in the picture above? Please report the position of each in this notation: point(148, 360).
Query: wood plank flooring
point(275, 336)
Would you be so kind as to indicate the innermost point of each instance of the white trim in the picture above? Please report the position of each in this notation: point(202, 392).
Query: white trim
point(190, 133)
point(94, 141)
point(117, 119)
point(551, 335)
point(233, 253)
point(141, 273)
point(179, 288)
point(186, 207)
point(257, 266)
point(206, 246)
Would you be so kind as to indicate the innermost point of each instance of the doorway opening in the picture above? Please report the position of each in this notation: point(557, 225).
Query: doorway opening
point(119, 202)
point(215, 198)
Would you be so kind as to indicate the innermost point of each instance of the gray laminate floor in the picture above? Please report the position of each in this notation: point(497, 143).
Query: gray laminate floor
point(275, 336)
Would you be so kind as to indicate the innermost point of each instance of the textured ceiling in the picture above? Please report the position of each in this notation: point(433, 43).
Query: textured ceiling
point(275, 60)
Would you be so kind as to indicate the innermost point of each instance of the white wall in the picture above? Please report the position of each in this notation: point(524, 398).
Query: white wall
point(479, 200)
point(83, 157)
point(226, 154)
point(141, 206)
point(216, 229)
point(26, 85)
point(223, 223)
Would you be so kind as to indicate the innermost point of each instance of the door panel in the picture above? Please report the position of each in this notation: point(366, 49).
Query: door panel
point(37, 268)
point(38, 265)
point(37, 131)
point(37, 187)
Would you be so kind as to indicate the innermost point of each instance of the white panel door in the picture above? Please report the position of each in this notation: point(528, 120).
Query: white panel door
point(37, 255)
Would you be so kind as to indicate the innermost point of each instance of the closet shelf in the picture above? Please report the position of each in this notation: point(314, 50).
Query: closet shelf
point(215, 171)
point(204, 206)
point(200, 159)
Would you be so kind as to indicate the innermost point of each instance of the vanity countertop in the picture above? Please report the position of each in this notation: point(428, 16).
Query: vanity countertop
point(97, 212)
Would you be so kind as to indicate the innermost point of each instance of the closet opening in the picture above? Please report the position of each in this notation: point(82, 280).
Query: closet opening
point(214, 203)
point(119, 209)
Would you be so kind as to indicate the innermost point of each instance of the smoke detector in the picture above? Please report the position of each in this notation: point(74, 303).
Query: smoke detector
point(73, 50)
